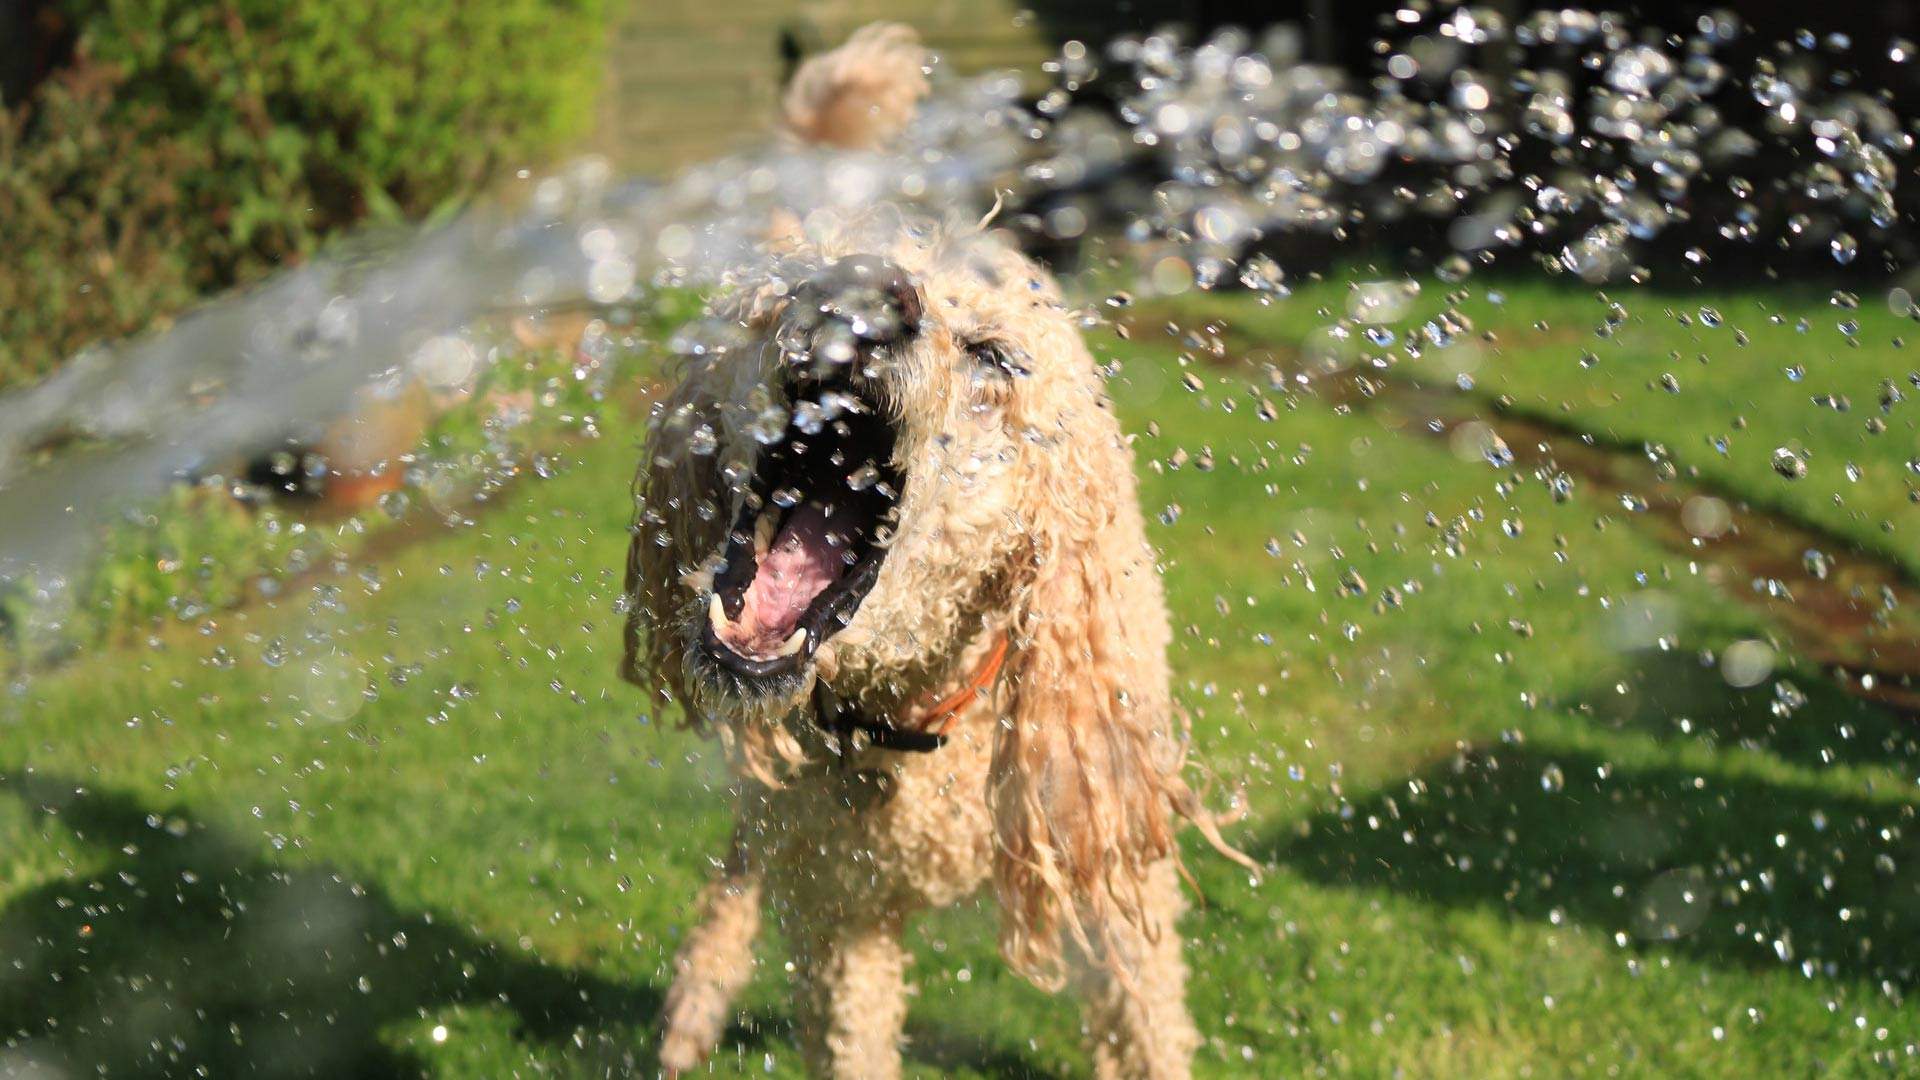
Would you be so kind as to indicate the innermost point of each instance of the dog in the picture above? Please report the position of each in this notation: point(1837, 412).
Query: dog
point(887, 548)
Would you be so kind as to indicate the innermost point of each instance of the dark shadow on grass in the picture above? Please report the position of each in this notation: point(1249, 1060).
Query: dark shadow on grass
point(1806, 721)
point(1725, 867)
point(190, 952)
point(947, 1050)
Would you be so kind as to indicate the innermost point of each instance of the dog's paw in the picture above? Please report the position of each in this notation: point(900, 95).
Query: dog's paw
point(690, 1028)
point(681, 1052)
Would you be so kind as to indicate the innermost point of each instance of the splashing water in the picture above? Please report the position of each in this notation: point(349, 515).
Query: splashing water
point(1598, 142)
point(239, 376)
point(1479, 627)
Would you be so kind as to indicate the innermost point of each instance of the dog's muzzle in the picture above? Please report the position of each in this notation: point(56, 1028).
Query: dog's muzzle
point(814, 526)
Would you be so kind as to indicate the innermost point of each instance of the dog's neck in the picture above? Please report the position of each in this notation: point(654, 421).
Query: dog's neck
point(914, 713)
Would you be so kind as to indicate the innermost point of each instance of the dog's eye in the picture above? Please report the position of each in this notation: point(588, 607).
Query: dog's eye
point(999, 356)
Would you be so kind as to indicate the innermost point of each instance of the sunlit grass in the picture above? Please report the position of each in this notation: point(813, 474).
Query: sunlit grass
point(1717, 384)
point(1482, 794)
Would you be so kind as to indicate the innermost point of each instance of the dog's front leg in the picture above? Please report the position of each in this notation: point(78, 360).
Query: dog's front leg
point(1141, 1031)
point(713, 963)
point(852, 997)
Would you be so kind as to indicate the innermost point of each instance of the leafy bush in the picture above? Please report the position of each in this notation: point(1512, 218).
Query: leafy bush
point(89, 209)
point(189, 145)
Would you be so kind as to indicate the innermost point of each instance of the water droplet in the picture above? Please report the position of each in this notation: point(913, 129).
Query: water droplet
point(1552, 779)
point(1746, 663)
point(1817, 563)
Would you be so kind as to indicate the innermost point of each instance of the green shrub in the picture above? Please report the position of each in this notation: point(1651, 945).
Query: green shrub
point(192, 144)
point(89, 210)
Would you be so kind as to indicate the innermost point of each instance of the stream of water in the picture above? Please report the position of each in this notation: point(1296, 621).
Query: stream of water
point(1573, 137)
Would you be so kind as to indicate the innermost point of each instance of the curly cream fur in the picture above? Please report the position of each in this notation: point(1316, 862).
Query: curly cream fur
point(1061, 785)
point(714, 962)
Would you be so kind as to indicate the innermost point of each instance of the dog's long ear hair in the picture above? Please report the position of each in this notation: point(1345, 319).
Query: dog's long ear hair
point(682, 510)
point(669, 532)
point(1088, 774)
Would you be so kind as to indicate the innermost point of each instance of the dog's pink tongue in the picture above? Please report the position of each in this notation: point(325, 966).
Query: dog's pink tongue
point(797, 567)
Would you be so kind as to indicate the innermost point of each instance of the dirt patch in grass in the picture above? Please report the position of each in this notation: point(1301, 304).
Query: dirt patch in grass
point(1842, 607)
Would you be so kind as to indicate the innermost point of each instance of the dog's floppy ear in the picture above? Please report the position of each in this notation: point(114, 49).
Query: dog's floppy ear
point(1087, 770)
point(683, 507)
point(671, 531)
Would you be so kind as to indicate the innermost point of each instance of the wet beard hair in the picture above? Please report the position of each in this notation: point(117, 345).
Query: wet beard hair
point(717, 689)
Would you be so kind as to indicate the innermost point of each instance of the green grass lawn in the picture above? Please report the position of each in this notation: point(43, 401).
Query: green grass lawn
point(1718, 384)
point(1518, 824)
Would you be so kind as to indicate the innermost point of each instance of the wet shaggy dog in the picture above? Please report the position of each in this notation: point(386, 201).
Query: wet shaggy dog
point(887, 549)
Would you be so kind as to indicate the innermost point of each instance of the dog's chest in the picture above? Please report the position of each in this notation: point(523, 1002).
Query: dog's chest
point(903, 829)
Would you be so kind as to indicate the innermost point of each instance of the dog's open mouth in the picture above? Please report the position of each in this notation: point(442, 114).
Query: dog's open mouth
point(809, 540)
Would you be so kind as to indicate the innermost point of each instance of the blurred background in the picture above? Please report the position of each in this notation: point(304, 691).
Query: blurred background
point(159, 152)
point(1523, 410)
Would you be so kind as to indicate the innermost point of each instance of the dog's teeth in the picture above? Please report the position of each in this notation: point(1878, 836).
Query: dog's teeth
point(716, 614)
point(793, 644)
point(763, 533)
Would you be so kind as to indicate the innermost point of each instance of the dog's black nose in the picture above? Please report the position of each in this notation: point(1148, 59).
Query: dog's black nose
point(898, 299)
point(872, 297)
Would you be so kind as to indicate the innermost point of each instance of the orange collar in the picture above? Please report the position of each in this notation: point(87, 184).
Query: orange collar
point(939, 717)
point(840, 721)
